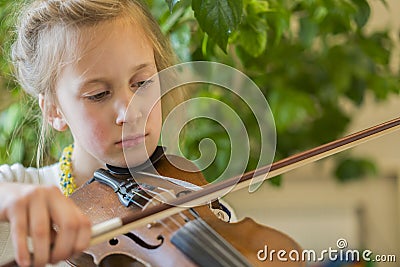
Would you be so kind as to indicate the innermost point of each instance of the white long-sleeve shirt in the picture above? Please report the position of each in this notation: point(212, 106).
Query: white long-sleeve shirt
point(17, 173)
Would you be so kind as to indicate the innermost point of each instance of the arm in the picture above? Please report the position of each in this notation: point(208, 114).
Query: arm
point(34, 211)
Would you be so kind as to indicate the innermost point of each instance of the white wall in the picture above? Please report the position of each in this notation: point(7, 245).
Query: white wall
point(315, 209)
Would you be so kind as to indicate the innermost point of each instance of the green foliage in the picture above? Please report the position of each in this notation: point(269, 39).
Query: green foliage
point(218, 18)
point(19, 134)
point(6, 81)
point(306, 56)
point(20, 116)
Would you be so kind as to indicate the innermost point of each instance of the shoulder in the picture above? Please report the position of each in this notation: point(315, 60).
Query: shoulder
point(18, 173)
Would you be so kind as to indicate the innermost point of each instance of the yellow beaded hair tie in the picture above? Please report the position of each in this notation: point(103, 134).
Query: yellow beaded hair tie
point(67, 182)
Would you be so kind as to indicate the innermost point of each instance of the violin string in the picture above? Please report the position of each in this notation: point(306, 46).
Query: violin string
point(161, 197)
point(185, 218)
point(193, 235)
point(137, 194)
point(131, 200)
point(147, 187)
point(199, 236)
point(140, 195)
point(161, 220)
point(170, 217)
point(166, 226)
point(151, 191)
point(175, 222)
point(136, 203)
point(182, 183)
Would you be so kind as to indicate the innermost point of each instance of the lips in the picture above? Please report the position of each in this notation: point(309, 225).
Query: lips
point(131, 141)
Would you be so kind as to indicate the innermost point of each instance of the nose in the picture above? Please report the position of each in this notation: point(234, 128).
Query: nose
point(125, 110)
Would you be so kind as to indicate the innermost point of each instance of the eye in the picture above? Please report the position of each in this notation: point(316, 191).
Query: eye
point(142, 84)
point(98, 97)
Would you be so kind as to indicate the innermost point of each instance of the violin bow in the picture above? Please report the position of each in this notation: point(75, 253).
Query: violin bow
point(109, 229)
point(117, 226)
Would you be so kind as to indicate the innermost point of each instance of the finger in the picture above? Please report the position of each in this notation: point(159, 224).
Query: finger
point(64, 242)
point(84, 233)
point(62, 213)
point(18, 218)
point(39, 228)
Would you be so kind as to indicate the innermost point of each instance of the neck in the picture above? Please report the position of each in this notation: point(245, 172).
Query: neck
point(83, 165)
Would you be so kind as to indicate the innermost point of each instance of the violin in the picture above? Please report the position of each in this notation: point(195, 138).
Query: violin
point(193, 237)
point(172, 233)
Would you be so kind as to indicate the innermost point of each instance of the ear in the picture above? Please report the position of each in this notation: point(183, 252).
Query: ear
point(52, 114)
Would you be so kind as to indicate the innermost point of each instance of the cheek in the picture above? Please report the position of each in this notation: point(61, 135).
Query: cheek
point(91, 132)
point(98, 130)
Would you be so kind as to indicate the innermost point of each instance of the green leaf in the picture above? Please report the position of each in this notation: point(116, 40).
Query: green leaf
point(381, 86)
point(320, 13)
point(308, 31)
point(357, 90)
point(253, 36)
point(354, 168)
point(278, 23)
point(290, 108)
point(276, 181)
point(363, 12)
point(219, 19)
point(330, 125)
point(252, 33)
point(171, 20)
point(255, 7)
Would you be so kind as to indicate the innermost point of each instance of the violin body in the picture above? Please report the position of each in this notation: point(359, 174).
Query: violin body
point(153, 245)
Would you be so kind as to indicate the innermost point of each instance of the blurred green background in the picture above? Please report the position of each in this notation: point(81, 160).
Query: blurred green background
point(307, 57)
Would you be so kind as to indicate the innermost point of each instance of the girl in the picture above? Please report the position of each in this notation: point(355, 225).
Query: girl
point(83, 60)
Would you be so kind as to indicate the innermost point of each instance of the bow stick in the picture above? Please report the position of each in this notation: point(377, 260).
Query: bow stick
point(109, 229)
point(117, 226)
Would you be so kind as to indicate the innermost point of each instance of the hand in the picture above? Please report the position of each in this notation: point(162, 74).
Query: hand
point(32, 210)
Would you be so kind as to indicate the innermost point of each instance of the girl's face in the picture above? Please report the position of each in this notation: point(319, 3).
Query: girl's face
point(109, 97)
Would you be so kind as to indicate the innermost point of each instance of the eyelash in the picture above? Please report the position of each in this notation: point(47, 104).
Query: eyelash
point(100, 96)
point(143, 84)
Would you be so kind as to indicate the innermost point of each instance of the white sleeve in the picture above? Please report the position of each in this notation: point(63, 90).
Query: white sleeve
point(17, 173)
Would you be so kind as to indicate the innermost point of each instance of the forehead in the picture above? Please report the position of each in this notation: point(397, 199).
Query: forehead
point(120, 40)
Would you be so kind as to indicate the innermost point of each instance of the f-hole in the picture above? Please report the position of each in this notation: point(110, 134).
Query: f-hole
point(139, 241)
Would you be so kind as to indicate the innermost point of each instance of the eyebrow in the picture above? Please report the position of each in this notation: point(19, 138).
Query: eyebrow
point(101, 80)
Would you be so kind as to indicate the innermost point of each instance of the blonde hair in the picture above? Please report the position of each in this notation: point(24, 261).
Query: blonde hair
point(47, 32)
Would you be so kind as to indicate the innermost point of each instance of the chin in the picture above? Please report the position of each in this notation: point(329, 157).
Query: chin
point(135, 157)
point(117, 163)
